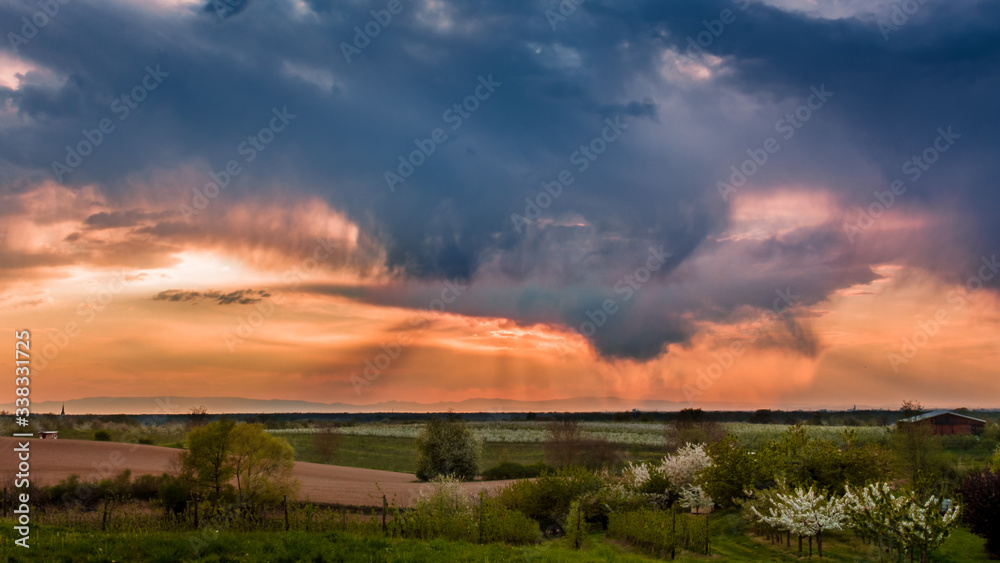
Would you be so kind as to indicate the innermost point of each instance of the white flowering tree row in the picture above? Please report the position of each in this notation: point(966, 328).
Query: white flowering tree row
point(875, 512)
point(899, 519)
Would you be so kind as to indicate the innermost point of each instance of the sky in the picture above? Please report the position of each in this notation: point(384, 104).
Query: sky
point(786, 203)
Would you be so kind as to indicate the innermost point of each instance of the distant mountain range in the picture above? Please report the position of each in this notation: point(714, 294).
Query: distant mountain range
point(219, 405)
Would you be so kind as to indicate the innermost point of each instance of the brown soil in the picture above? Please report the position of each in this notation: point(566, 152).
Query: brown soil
point(54, 460)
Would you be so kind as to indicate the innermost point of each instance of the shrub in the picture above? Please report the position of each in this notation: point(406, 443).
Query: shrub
point(447, 447)
point(102, 436)
point(547, 498)
point(981, 495)
point(512, 470)
point(500, 524)
point(173, 493)
point(446, 512)
point(145, 487)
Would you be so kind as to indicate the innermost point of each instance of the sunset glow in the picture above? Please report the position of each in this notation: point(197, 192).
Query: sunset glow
point(306, 277)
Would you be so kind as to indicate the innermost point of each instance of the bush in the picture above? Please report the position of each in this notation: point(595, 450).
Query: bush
point(444, 513)
point(546, 499)
point(448, 512)
point(173, 493)
point(447, 447)
point(145, 487)
point(512, 470)
point(981, 496)
point(508, 526)
point(102, 436)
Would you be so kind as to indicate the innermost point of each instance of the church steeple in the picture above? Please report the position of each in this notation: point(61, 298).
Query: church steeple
point(63, 413)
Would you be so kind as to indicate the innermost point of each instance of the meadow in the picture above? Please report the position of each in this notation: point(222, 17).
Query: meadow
point(512, 523)
point(391, 447)
point(730, 542)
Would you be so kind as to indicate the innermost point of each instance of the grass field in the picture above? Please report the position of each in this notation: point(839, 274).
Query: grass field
point(729, 543)
point(399, 454)
point(391, 447)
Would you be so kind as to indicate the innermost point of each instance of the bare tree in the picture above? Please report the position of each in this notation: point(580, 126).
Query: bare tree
point(563, 442)
point(326, 444)
point(197, 417)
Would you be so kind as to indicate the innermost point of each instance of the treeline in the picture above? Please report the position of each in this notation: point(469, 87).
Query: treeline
point(290, 420)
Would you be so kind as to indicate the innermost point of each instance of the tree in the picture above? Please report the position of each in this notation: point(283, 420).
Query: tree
point(925, 526)
point(207, 456)
point(691, 426)
point(733, 471)
point(563, 442)
point(876, 512)
point(805, 512)
point(326, 443)
point(448, 447)
point(198, 416)
point(262, 464)
point(981, 495)
point(916, 447)
point(683, 467)
point(223, 451)
point(694, 497)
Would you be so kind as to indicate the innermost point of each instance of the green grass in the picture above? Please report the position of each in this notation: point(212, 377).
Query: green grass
point(400, 454)
point(730, 543)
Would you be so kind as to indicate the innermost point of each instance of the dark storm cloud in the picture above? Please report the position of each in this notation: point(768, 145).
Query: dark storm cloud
point(239, 297)
point(654, 185)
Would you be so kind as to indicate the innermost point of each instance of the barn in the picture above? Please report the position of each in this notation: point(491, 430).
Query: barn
point(947, 423)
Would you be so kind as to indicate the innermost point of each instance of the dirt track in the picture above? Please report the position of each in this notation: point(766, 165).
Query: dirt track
point(53, 460)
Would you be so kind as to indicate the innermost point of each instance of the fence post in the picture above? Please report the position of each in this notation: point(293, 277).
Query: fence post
point(284, 503)
point(481, 493)
point(104, 518)
point(385, 508)
point(707, 552)
point(196, 512)
point(673, 531)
